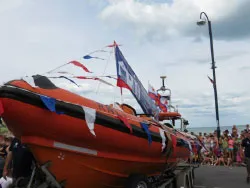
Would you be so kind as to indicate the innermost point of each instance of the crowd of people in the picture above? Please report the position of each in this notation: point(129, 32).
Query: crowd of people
point(227, 150)
point(15, 162)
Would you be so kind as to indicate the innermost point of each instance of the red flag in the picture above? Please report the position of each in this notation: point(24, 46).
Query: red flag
point(210, 80)
point(78, 64)
point(81, 77)
point(1, 108)
point(121, 83)
point(113, 45)
point(125, 121)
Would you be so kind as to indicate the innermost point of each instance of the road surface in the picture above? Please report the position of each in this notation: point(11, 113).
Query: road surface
point(220, 177)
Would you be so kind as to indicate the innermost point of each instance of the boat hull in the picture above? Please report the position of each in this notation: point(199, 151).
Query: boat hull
point(77, 156)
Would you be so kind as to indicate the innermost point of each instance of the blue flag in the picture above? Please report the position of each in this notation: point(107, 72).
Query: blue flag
point(145, 127)
point(87, 57)
point(50, 103)
point(127, 78)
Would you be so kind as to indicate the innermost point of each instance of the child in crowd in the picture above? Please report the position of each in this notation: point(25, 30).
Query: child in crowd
point(220, 159)
point(206, 158)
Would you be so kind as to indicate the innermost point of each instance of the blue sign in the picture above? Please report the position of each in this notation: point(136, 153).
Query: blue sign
point(127, 76)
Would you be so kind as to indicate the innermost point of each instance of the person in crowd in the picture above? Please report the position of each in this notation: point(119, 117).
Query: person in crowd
point(247, 128)
point(246, 145)
point(206, 158)
point(239, 154)
point(21, 159)
point(224, 144)
point(220, 158)
point(225, 133)
point(234, 131)
point(230, 147)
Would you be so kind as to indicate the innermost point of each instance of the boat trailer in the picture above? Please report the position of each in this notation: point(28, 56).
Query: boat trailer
point(181, 177)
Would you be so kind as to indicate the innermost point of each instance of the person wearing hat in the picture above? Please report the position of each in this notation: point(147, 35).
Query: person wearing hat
point(246, 145)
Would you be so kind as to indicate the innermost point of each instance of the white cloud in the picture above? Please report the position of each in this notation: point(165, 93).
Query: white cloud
point(163, 20)
point(7, 5)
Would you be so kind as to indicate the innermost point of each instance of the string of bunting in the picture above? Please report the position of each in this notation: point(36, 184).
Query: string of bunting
point(82, 77)
point(86, 57)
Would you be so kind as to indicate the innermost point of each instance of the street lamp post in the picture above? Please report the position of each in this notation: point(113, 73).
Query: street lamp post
point(203, 22)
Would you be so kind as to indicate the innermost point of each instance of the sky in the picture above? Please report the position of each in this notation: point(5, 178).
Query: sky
point(158, 37)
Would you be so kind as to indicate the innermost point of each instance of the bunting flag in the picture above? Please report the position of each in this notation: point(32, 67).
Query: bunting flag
point(78, 64)
point(145, 128)
point(211, 80)
point(29, 80)
point(125, 121)
point(50, 103)
point(163, 137)
point(92, 57)
point(72, 81)
point(90, 116)
point(69, 80)
point(93, 78)
point(190, 147)
point(1, 108)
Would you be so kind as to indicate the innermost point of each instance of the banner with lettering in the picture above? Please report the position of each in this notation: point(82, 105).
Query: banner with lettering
point(126, 78)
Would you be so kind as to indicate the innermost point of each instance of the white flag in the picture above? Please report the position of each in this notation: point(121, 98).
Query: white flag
point(90, 115)
point(163, 138)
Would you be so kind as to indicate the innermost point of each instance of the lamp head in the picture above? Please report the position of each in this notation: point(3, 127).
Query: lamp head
point(201, 22)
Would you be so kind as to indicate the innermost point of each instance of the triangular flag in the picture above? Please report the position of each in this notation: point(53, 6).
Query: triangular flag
point(50, 103)
point(189, 147)
point(78, 64)
point(30, 81)
point(69, 80)
point(125, 121)
point(145, 127)
point(90, 115)
point(163, 137)
point(87, 57)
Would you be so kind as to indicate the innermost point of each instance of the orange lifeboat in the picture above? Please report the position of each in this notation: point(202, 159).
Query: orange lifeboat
point(117, 147)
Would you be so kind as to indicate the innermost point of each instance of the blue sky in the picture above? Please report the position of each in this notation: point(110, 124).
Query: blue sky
point(158, 38)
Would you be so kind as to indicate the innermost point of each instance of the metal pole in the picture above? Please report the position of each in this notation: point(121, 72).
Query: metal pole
point(214, 78)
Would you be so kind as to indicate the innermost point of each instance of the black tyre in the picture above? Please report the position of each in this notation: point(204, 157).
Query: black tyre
point(137, 181)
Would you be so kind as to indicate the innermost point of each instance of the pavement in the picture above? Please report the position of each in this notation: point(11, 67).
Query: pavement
point(220, 177)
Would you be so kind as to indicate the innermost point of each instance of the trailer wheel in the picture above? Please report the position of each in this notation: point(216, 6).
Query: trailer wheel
point(137, 181)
